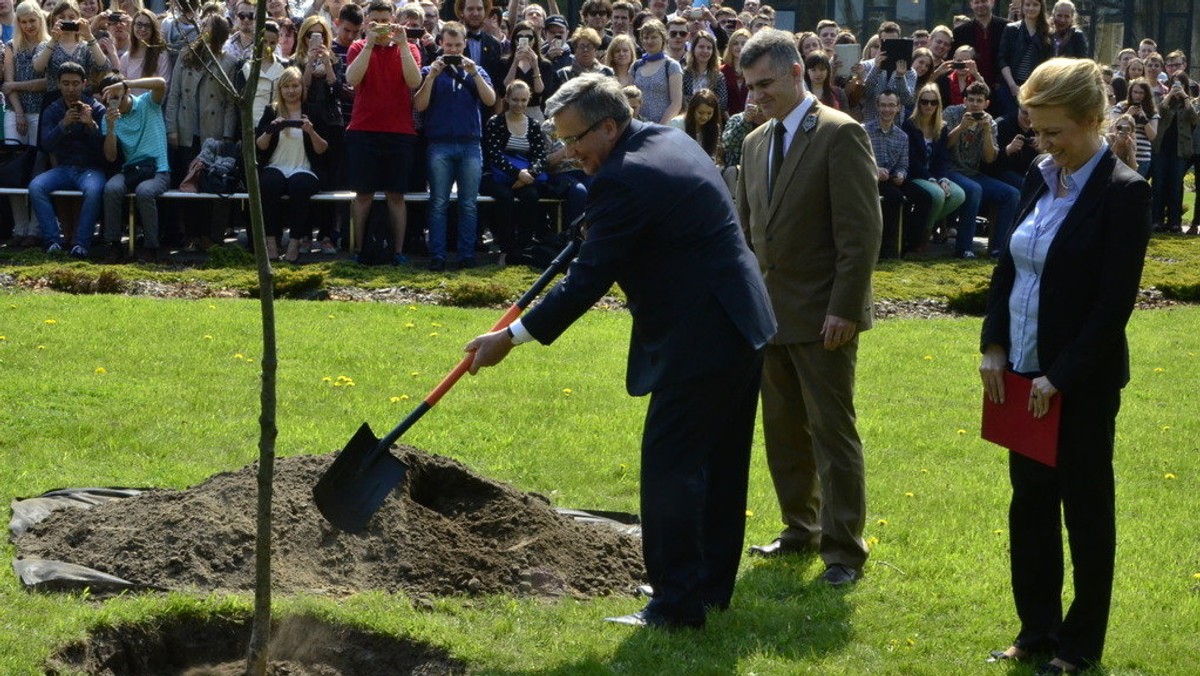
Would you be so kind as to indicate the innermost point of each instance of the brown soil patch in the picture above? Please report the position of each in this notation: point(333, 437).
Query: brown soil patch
point(447, 531)
point(300, 646)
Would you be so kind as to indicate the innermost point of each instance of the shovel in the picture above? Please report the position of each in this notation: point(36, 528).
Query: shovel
point(365, 472)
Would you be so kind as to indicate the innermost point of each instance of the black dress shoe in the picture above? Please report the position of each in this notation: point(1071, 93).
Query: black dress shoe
point(1001, 655)
point(780, 547)
point(650, 618)
point(838, 575)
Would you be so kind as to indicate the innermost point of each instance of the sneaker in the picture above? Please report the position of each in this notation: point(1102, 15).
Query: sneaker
point(54, 248)
point(437, 264)
point(79, 252)
point(466, 263)
point(966, 255)
point(399, 259)
point(327, 248)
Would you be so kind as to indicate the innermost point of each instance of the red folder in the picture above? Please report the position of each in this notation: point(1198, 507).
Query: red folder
point(1013, 426)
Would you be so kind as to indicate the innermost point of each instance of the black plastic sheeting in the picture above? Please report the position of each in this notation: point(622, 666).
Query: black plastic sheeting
point(47, 575)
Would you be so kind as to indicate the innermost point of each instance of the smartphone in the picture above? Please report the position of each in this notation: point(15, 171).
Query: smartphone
point(382, 28)
point(293, 123)
point(522, 42)
point(976, 116)
point(693, 14)
point(116, 16)
point(958, 65)
point(414, 33)
point(69, 25)
point(452, 59)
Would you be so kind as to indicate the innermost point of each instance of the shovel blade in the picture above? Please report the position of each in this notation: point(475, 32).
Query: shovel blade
point(358, 481)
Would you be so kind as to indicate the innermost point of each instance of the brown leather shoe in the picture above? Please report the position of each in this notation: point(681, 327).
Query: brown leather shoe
point(781, 547)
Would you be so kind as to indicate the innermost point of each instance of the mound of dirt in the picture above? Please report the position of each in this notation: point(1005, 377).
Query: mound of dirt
point(447, 531)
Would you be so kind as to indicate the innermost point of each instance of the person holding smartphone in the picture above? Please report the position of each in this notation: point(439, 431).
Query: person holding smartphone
point(1172, 145)
point(451, 95)
point(290, 162)
point(384, 69)
point(527, 64)
point(972, 145)
point(136, 135)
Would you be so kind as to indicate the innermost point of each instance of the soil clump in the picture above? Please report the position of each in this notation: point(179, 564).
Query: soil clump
point(447, 531)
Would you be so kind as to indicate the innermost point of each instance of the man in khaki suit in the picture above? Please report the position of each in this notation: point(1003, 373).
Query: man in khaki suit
point(816, 234)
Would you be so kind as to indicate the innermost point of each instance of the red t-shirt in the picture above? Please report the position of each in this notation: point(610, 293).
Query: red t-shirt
point(383, 101)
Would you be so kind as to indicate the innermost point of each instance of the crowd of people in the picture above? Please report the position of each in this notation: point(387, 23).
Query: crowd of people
point(455, 108)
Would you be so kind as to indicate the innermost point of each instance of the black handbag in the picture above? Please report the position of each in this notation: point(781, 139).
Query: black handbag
point(142, 170)
point(16, 164)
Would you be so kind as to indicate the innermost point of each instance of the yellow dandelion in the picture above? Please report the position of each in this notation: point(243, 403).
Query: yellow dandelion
point(393, 399)
point(1196, 576)
point(337, 383)
point(872, 541)
point(404, 397)
point(924, 471)
point(567, 391)
point(208, 337)
point(412, 308)
point(239, 355)
point(928, 357)
point(41, 347)
point(433, 335)
point(329, 316)
point(911, 641)
point(410, 325)
point(349, 383)
point(212, 307)
point(52, 322)
point(2, 339)
point(435, 324)
point(1166, 428)
point(414, 374)
point(962, 431)
point(1168, 476)
point(910, 495)
point(100, 370)
point(1160, 370)
point(998, 531)
point(881, 522)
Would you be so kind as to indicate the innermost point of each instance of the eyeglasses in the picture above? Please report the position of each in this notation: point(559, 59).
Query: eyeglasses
point(677, 34)
point(600, 13)
point(1174, 65)
point(928, 102)
point(143, 24)
point(569, 141)
point(246, 16)
point(1124, 130)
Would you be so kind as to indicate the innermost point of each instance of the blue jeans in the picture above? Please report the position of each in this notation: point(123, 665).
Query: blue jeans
point(62, 177)
point(977, 189)
point(1167, 201)
point(450, 163)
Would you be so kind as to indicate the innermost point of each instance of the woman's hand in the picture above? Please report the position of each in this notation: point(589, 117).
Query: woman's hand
point(524, 178)
point(307, 127)
point(1040, 394)
point(22, 125)
point(991, 370)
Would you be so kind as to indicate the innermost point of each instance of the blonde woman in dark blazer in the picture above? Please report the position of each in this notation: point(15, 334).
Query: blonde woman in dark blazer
point(1060, 297)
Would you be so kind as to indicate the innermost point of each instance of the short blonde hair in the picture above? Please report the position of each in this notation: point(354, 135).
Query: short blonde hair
point(1073, 84)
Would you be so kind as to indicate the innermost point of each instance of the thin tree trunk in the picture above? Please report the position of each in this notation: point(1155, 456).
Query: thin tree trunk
point(260, 635)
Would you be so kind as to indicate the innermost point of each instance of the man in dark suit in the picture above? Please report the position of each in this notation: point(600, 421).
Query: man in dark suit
point(482, 48)
point(816, 233)
point(661, 224)
point(983, 32)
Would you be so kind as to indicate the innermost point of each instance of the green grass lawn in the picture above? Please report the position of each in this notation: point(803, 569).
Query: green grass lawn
point(112, 390)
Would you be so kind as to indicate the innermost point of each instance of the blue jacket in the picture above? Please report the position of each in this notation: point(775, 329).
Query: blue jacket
point(662, 225)
point(79, 145)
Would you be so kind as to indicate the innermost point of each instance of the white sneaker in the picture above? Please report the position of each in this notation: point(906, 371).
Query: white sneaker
point(54, 248)
point(78, 252)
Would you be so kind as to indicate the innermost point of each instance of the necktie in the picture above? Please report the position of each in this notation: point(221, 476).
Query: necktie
point(776, 157)
point(474, 36)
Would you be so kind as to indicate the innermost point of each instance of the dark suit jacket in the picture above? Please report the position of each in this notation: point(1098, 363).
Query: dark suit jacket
point(661, 224)
point(965, 35)
point(1089, 283)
